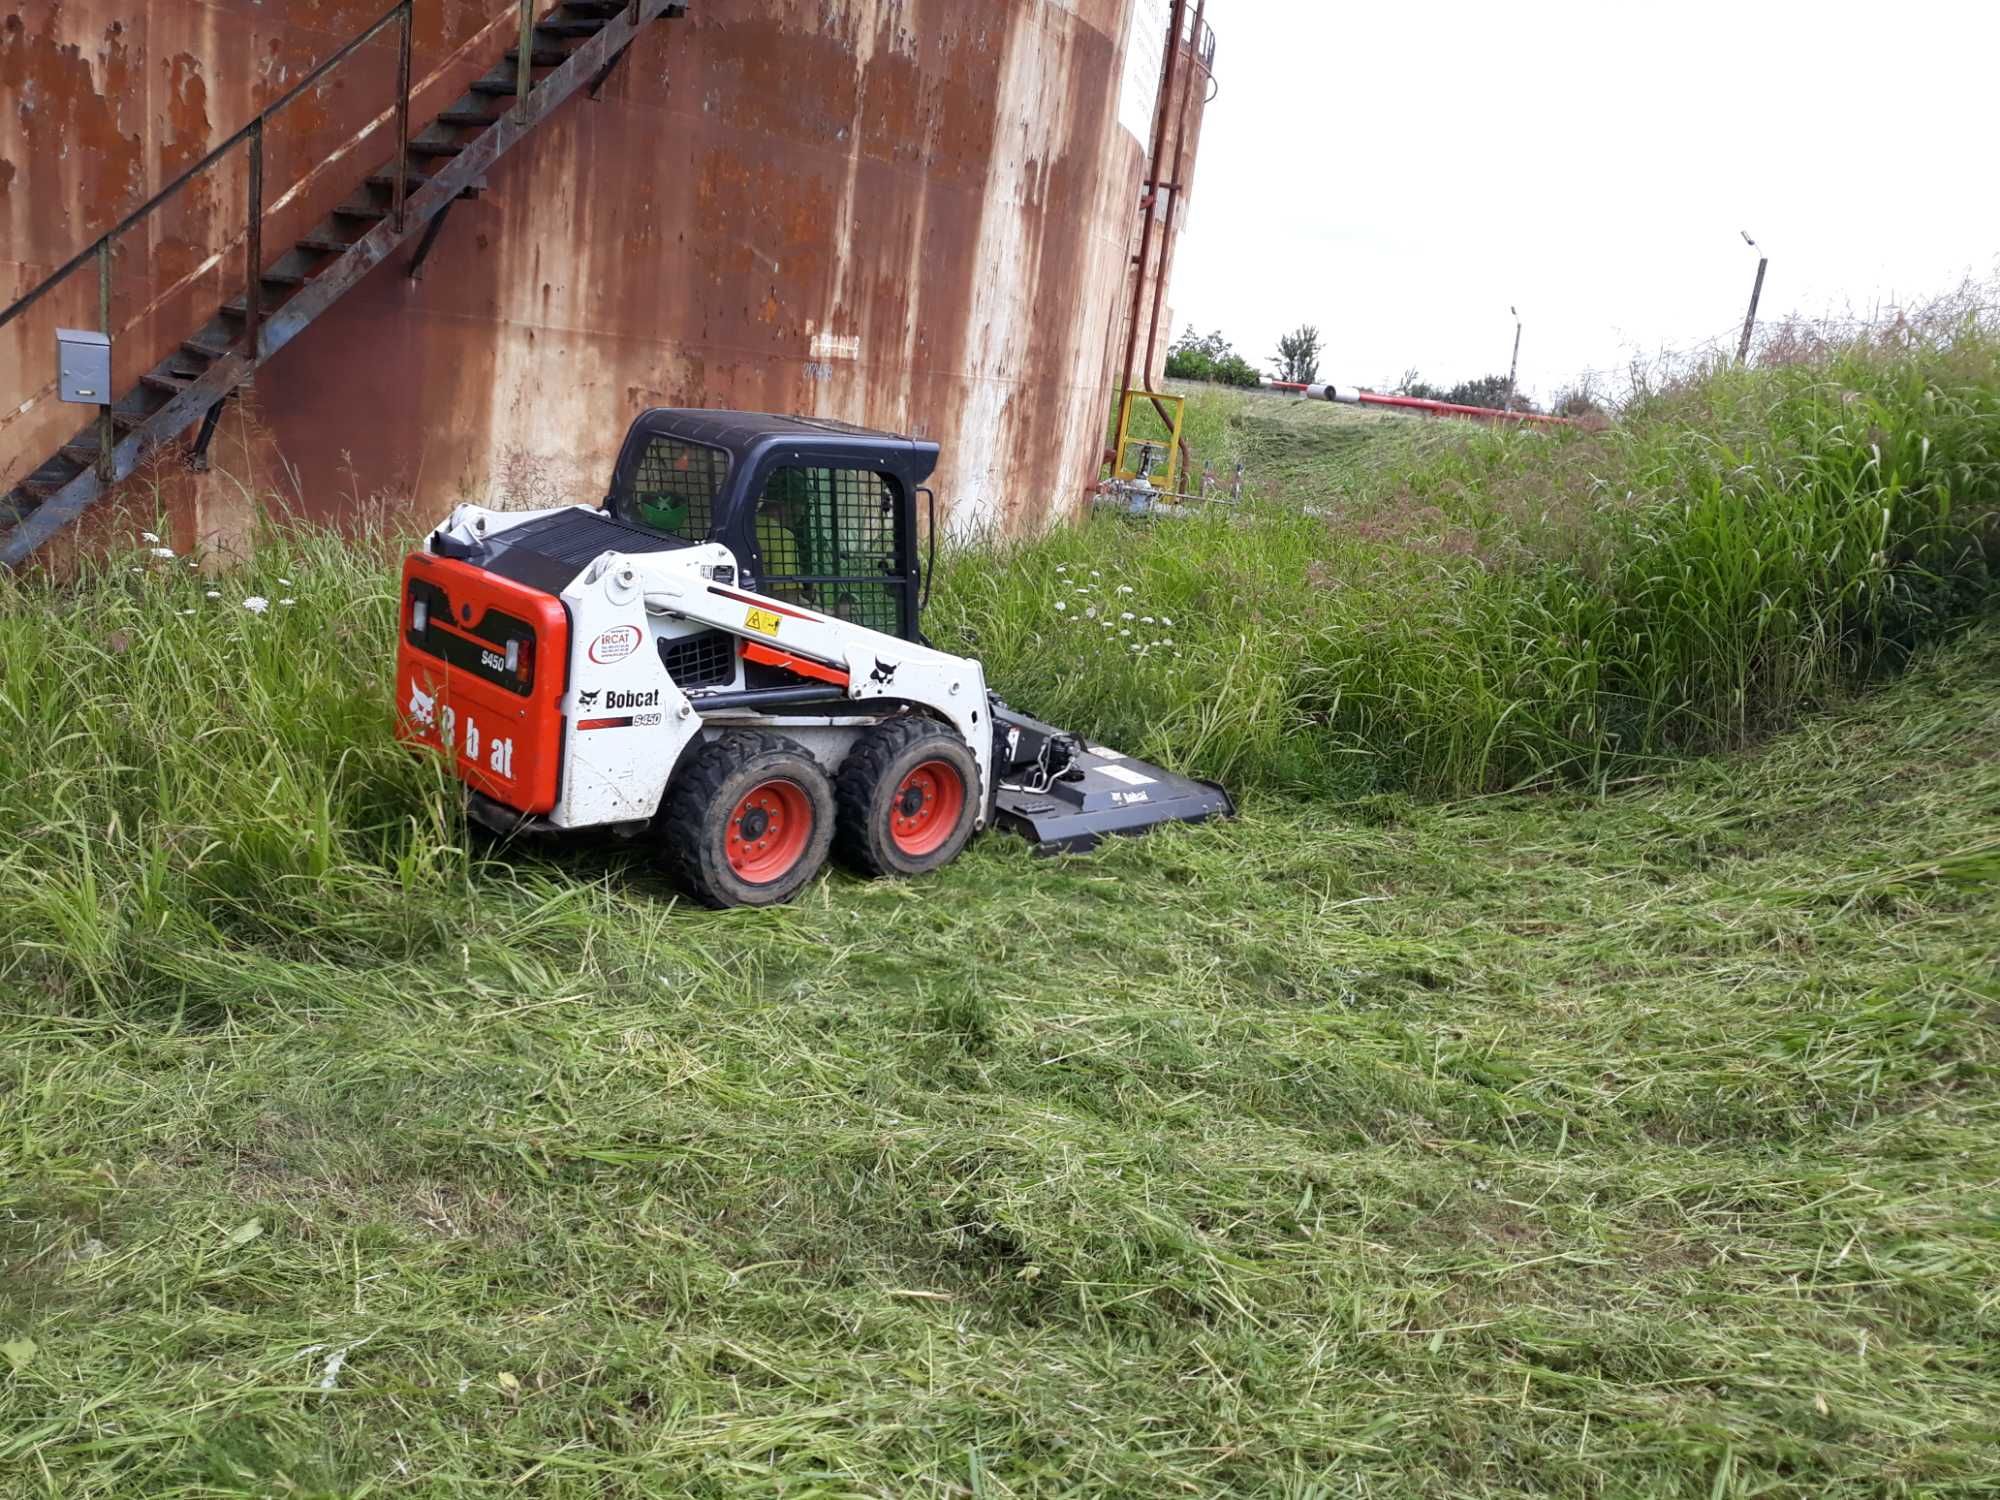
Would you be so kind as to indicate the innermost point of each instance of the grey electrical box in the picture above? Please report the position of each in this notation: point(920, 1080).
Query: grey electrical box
point(83, 366)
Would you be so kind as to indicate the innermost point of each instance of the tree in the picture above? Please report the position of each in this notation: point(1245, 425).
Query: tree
point(1489, 391)
point(1208, 357)
point(1413, 384)
point(1298, 355)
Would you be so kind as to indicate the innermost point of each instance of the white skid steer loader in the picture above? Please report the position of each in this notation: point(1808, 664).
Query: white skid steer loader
point(725, 657)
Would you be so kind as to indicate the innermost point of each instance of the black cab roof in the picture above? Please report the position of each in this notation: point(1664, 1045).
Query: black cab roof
point(747, 436)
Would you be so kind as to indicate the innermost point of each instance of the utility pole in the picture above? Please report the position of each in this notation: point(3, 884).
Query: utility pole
point(1514, 368)
point(1756, 291)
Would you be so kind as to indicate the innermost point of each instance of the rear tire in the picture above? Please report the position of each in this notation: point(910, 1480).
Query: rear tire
point(906, 799)
point(747, 821)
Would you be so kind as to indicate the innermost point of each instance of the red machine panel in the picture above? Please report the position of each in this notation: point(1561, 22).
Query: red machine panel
point(481, 666)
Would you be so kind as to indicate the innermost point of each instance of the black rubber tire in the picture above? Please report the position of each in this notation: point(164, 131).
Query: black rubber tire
point(864, 795)
point(694, 818)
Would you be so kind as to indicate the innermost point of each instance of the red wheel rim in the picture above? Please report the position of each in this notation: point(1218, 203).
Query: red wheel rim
point(925, 808)
point(769, 831)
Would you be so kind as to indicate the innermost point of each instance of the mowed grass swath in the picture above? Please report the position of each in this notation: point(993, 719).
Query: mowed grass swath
point(1566, 1143)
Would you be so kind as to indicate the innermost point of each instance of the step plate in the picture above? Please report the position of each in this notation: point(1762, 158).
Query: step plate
point(1104, 793)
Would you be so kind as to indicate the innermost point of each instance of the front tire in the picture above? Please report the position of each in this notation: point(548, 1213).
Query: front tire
point(747, 821)
point(906, 799)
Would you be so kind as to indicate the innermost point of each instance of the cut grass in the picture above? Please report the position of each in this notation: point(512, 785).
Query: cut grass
point(1547, 1145)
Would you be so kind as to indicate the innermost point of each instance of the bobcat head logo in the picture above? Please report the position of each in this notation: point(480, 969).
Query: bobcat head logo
point(884, 673)
point(423, 707)
point(589, 699)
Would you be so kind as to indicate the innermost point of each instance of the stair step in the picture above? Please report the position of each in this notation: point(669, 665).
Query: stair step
point(493, 86)
point(545, 57)
point(203, 351)
point(602, 10)
point(166, 381)
point(435, 148)
point(282, 278)
point(360, 211)
point(470, 119)
point(569, 28)
point(234, 307)
point(386, 181)
point(323, 244)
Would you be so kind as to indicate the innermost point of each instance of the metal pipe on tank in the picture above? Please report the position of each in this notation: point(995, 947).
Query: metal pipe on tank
point(1152, 188)
point(1174, 202)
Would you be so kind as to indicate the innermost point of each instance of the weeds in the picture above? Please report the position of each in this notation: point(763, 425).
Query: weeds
point(1469, 610)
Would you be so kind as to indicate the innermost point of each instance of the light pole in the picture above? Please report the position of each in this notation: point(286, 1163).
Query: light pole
point(1514, 367)
point(1756, 291)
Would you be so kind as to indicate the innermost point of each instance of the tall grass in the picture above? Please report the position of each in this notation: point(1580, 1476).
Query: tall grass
point(1511, 607)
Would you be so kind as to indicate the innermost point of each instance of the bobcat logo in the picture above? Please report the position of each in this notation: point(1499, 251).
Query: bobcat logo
point(423, 707)
point(884, 673)
point(588, 700)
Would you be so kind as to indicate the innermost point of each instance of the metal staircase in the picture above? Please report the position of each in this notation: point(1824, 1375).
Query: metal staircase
point(573, 47)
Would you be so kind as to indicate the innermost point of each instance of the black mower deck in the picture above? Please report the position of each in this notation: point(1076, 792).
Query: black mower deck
point(1102, 792)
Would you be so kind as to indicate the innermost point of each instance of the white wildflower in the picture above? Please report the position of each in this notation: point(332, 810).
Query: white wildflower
point(288, 601)
point(1124, 588)
point(1168, 641)
point(1095, 574)
point(149, 536)
point(1166, 622)
point(465, 1385)
point(1145, 619)
point(284, 583)
point(187, 611)
point(1062, 567)
point(215, 593)
point(1107, 624)
point(1126, 616)
point(1135, 646)
point(166, 553)
point(1061, 607)
point(1090, 611)
point(1124, 632)
point(256, 604)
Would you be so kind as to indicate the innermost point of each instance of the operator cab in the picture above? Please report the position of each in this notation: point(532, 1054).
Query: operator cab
point(817, 512)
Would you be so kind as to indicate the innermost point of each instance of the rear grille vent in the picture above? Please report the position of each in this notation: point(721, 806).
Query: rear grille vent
point(705, 660)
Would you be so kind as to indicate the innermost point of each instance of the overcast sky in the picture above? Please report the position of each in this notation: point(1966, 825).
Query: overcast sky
point(1400, 174)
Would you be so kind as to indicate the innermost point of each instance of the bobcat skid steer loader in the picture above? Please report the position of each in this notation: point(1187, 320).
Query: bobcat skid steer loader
point(725, 658)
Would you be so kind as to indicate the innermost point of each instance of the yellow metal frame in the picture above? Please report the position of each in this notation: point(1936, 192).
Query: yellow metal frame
point(1121, 469)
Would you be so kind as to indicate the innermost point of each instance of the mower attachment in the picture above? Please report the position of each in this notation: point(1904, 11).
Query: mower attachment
point(1064, 796)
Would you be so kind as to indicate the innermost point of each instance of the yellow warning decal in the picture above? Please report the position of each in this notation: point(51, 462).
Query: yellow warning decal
point(762, 621)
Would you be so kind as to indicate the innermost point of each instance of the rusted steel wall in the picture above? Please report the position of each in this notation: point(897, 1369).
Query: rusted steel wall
point(104, 102)
point(912, 213)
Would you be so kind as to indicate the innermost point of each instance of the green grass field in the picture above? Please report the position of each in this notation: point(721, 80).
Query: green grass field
point(1638, 1134)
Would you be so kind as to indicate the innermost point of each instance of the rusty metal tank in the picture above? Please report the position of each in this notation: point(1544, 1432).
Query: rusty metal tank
point(916, 214)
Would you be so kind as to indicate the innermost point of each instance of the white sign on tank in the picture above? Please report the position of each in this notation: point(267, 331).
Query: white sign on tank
point(1145, 46)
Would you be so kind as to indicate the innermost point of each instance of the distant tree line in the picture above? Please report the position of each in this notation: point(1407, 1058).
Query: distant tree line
point(1213, 358)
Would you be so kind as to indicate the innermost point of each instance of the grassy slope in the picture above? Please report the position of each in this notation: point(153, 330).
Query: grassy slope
point(1596, 1147)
